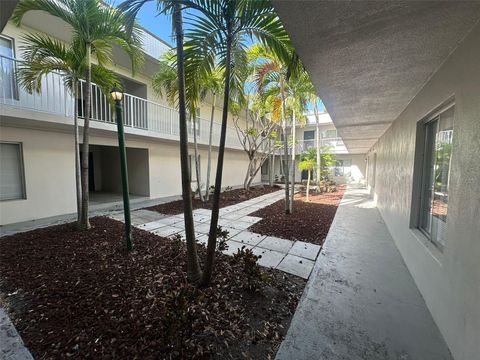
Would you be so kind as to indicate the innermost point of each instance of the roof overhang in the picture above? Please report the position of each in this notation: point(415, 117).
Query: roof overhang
point(368, 59)
point(6, 10)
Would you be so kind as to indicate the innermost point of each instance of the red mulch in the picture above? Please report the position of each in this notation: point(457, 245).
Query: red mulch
point(227, 198)
point(309, 222)
point(82, 295)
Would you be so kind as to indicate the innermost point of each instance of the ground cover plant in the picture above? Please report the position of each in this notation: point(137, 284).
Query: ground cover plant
point(82, 295)
point(227, 198)
point(310, 222)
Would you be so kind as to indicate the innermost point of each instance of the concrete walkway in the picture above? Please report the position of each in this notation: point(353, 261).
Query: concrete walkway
point(293, 257)
point(361, 301)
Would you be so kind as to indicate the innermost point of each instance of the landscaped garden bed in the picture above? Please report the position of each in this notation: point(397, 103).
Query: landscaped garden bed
point(309, 222)
point(81, 294)
point(227, 198)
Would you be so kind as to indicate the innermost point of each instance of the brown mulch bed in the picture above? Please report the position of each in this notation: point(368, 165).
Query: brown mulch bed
point(309, 222)
point(82, 295)
point(227, 198)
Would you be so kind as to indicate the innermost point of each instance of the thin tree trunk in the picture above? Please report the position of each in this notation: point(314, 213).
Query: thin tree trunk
point(308, 184)
point(212, 235)
point(197, 160)
point(294, 133)
point(84, 221)
point(285, 150)
point(78, 171)
point(194, 273)
point(209, 161)
point(317, 140)
point(272, 169)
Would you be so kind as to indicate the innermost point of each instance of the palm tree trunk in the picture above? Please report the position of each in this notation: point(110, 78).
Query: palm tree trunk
point(317, 140)
point(84, 222)
point(197, 160)
point(285, 150)
point(209, 161)
point(78, 178)
point(294, 133)
point(212, 235)
point(194, 273)
point(308, 183)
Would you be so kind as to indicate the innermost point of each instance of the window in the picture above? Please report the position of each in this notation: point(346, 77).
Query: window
point(437, 134)
point(11, 172)
point(342, 167)
point(265, 166)
point(9, 86)
point(329, 133)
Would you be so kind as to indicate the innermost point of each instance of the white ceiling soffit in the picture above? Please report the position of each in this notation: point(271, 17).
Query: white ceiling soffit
point(368, 59)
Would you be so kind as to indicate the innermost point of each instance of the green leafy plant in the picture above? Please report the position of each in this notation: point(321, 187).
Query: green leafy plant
point(253, 273)
point(222, 236)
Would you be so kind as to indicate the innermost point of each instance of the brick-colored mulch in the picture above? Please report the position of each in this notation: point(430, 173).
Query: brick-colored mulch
point(309, 222)
point(227, 198)
point(80, 294)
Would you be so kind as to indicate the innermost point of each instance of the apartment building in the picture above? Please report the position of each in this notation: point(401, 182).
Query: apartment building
point(349, 167)
point(37, 141)
point(401, 81)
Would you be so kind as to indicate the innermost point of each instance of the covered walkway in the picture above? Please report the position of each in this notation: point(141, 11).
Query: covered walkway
point(361, 301)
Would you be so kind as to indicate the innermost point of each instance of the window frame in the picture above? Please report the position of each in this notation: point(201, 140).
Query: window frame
point(420, 170)
point(22, 171)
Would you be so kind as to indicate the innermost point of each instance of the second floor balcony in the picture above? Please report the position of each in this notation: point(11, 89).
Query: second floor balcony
point(141, 116)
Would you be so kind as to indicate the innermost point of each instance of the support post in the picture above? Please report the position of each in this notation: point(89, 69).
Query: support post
point(124, 173)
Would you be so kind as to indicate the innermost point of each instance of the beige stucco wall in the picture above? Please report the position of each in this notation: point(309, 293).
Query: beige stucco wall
point(448, 281)
point(154, 170)
point(49, 175)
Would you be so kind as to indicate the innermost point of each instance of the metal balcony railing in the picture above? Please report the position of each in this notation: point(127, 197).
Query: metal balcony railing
point(139, 113)
point(336, 145)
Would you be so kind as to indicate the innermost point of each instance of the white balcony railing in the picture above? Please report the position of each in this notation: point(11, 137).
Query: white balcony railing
point(336, 145)
point(139, 113)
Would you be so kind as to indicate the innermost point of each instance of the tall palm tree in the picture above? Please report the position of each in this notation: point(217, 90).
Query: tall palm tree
point(272, 78)
point(96, 28)
point(213, 84)
point(299, 95)
point(43, 55)
point(174, 9)
point(219, 37)
point(165, 82)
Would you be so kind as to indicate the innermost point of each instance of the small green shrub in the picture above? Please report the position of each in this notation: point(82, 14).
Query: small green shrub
point(222, 236)
point(253, 273)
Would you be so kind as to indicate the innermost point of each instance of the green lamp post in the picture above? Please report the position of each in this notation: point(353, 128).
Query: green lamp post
point(117, 96)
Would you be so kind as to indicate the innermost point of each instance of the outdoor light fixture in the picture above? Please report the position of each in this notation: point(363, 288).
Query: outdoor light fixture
point(117, 95)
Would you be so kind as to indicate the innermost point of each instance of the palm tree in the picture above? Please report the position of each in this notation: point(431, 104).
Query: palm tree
point(213, 83)
point(96, 29)
point(299, 93)
point(271, 78)
point(165, 82)
point(219, 36)
point(308, 162)
point(43, 55)
point(174, 8)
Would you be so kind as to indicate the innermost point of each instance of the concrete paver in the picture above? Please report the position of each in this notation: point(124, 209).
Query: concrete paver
point(276, 243)
point(296, 265)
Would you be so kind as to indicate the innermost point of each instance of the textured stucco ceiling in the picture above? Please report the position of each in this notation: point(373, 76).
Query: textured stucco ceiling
point(368, 59)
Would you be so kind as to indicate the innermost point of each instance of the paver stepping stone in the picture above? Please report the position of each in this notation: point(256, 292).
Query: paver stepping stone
point(250, 219)
point(152, 225)
point(170, 220)
point(277, 244)
point(234, 246)
point(167, 231)
point(269, 258)
point(241, 225)
point(248, 237)
point(231, 231)
point(203, 228)
point(296, 265)
point(305, 250)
